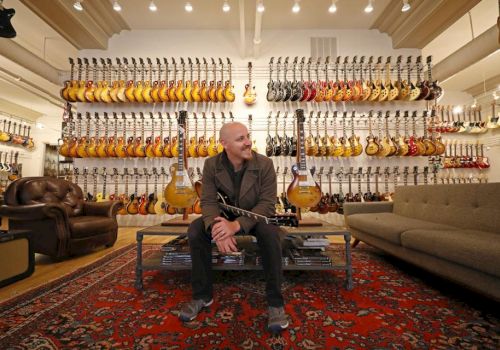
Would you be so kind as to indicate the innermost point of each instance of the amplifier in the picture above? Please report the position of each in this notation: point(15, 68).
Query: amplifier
point(17, 258)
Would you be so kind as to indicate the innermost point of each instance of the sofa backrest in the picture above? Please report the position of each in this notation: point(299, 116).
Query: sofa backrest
point(468, 206)
point(35, 190)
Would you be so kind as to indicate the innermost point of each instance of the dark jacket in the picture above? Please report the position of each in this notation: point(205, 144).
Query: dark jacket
point(257, 192)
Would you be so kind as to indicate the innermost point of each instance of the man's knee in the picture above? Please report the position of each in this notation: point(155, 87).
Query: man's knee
point(196, 230)
point(267, 232)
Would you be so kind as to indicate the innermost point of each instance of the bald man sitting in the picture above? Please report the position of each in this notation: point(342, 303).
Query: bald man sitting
point(249, 180)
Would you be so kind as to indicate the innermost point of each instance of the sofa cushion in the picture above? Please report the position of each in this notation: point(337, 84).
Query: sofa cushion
point(468, 206)
point(88, 226)
point(389, 226)
point(472, 248)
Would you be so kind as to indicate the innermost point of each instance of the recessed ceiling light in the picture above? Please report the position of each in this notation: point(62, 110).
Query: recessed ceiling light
point(260, 7)
point(369, 7)
point(226, 7)
point(152, 6)
point(78, 6)
point(406, 6)
point(188, 7)
point(296, 7)
point(333, 7)
point(116, 6)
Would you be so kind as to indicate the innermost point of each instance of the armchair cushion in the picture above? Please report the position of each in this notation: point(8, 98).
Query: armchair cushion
point(88, 226)
point(108, 208)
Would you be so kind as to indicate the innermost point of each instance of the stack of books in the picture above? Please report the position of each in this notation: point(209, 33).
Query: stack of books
point(309, 257)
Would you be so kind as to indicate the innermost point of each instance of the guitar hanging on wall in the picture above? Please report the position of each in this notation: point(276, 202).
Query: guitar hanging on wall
point(303, 191)
point(180, 192)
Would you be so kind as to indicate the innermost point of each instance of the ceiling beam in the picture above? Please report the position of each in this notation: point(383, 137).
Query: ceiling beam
point(87, 29)
point(488, 85)
point(426, 20)
point(28, 60)
point(472, 52)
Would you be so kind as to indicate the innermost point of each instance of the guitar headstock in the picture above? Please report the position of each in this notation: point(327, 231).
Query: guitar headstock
point(377, 170)
point(79, 61)
point(76, 171)
point(396, 171)
point(369, 171)
point(86, 61)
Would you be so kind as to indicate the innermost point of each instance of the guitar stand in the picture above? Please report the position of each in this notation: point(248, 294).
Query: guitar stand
point(185, 220)
point(309, 221)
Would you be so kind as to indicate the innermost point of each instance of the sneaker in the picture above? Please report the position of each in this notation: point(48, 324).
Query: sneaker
point(278, 319)
point(192, 309)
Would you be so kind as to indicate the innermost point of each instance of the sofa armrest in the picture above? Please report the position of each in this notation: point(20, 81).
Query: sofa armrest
point(107, 208)
point(33, 211)
point(351, 208)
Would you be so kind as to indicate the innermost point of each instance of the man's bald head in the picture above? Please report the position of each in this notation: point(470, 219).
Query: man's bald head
point(229, 129)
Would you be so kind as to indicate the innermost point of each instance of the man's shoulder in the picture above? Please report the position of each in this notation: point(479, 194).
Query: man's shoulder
point(262, 159)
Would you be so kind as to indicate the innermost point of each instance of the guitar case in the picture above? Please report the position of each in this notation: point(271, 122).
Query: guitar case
point(17, 257)
point(6, 28)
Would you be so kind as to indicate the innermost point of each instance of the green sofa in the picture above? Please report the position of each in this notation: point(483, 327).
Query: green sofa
point(450, 230)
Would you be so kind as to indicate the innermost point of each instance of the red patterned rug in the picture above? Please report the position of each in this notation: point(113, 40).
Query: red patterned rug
point(97, 307)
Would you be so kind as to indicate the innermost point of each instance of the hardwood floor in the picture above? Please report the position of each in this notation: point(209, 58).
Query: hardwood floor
point(47, 270)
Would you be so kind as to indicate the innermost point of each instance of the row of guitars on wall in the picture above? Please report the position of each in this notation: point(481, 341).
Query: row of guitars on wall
point(16, 134)
point(10, 169)
point(466, 120)
point(104, 187)
point(354, 81)
point(124, 135)
point(332, 200)
point(148, 82)
point(323, 140)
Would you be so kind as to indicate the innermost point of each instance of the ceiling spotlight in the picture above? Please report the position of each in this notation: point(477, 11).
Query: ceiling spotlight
point(226, 7)
point(406, 6)
point(116, 6)
point(260, 7)
point(333, 7)
point(369, 7)
point(188, 7)
point(457, 109)
point(296, 7)
point(152, 6)
point(78, 6)
point(474, 105)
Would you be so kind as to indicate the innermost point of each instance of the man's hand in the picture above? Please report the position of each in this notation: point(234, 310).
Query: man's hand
point(223, 229)
point(227, 245)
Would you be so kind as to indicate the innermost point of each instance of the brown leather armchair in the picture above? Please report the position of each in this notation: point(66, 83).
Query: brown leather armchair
point(63, 224)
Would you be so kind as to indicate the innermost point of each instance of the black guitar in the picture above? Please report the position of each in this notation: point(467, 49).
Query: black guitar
point(231, 212)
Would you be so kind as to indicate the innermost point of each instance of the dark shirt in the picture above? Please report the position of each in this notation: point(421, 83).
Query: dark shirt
point(236, 176)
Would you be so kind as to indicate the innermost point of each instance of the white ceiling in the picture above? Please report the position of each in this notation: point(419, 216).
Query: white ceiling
point(208, 14)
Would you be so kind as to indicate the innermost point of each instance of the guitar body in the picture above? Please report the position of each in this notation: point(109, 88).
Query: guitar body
point(105, 96)
point(187, 92)
point(130, 147)
point(167, 148)
point(121, 92)
point(129, 91)
point(375, 92)
point(92, 148)
point(110, 148)
point(357, 147)
point(146, 92)
point(195, 93)
point(152, 200)
point(412, 147)
point(101, 148)
point(158, 147)
point(133, 205)
point(113, 93)
point(73, 147)
point(192, 149)
point(212, 92)
point(155, 93)
point(171, 92)
point(204, 92)
point(143, 205)
point(138, 92)
point(81, 150)
point(228, 93)
point(163, 91)
point(372, 147)
point(180, 192)
point(64, 149)
point(140, 148)
point(123, 209)
point(430, 147)
point(89, 92)
point(402, 147)
point(202, 149)
point(303, 191)
point(250, 96)
point(220, 93)
point(120, 148)
point(149, 148)
point(160, 207)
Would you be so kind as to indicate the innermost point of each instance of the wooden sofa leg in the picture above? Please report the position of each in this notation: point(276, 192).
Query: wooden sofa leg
point(355, 243)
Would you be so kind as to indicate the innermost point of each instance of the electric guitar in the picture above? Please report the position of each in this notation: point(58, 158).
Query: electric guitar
point(180, 192)
point(231, 212)
point(249, 96)
point(303, 191)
